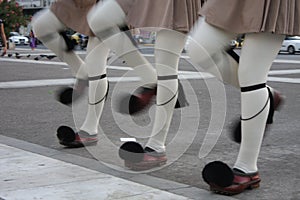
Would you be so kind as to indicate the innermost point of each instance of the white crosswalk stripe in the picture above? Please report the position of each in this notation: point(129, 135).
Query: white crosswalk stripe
point(182, 74)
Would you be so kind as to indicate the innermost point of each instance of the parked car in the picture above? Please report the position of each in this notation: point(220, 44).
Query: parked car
point(233, 44)
point(83, 41)
point(79, 39)
point(18, 39)
point(239, 40)
point(76, 38)
point(291, 45)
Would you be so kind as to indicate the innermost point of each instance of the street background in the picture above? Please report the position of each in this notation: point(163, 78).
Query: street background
point(30, 116)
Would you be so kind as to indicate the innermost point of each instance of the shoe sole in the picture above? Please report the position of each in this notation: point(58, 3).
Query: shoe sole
point(220, 176)
point(66, 137)
point(253, 185)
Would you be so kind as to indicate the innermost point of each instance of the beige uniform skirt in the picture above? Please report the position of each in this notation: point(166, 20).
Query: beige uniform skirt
point(247, 16)
point(72, 13)
point(179, 15)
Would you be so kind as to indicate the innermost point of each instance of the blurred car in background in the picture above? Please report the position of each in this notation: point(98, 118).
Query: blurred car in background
point(18, 39)
point(291, 45)
point(83, 41)
point(234, 44)
point(75, 38)
point(80, 39)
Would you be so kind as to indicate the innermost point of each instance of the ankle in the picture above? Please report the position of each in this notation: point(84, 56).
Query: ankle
point(152, 152)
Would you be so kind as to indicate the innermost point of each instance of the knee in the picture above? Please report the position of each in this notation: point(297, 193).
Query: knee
point(97, 21)
point(196, 51)
point(45, 22)
point(92, 17)
point(105, 16)
point(170, 40)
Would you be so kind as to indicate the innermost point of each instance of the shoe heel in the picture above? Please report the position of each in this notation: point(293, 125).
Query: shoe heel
point(254, 186)
point(162, 163)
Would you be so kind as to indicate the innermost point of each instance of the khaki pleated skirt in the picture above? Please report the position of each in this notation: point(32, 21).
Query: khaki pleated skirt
point(73, 14)
point(246, 16)
point(179, 15)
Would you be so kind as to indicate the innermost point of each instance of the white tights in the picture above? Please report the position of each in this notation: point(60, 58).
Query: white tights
point(95, 62)
point(47, 28)
point(258, 52)
point(168, 47)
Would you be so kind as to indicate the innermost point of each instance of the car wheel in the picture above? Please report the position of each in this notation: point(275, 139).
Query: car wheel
point(291, 50)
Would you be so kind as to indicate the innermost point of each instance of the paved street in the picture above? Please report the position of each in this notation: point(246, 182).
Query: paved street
point(199, 133)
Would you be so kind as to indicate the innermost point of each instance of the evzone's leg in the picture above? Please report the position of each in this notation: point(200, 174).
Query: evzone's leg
point(98, 84)
point(107, 29)
point(258, 53)
point(212, 55)
point(95, 63)
point(168, 47)
point(206, 42)
point(47, 28)
point(257, 56)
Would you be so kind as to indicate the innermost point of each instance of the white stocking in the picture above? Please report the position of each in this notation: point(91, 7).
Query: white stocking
point(259, 51)
point(95, 62)
point(168, 48)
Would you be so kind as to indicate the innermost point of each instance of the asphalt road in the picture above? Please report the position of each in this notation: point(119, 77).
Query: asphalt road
point(29, 112)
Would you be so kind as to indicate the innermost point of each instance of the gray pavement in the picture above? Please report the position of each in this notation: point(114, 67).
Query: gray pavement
point(36, 172)
point(30, 116)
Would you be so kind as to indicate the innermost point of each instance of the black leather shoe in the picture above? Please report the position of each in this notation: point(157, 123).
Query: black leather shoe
point(137, 158)
point(69, 138)
point(226, 181)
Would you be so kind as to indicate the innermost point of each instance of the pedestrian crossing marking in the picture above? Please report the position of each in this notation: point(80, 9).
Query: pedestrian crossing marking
point(189, 75)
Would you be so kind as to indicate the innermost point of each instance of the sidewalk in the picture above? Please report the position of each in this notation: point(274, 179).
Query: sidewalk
point(25, 175)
